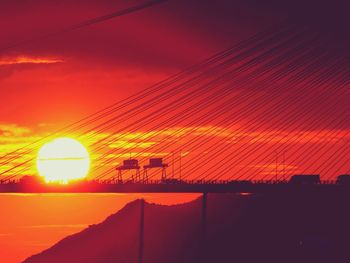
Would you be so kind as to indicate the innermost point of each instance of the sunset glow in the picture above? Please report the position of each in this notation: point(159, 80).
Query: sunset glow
point(63, 160)
point(28, 60)
point(158, 131)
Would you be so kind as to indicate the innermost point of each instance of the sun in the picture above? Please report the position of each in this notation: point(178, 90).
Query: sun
point(63, 160)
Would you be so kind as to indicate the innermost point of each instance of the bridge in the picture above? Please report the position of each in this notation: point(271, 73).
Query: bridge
point(298, 184)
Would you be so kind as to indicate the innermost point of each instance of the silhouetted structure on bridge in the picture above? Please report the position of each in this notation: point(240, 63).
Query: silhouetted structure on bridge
point(155, 163)
point(131, 164)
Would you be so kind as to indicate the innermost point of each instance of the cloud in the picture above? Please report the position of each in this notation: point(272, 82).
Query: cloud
point(130, 145)
point(298, 137)
point(13, 130)
point(28, 60)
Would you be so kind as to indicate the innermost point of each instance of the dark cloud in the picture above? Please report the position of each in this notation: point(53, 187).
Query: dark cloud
point(175, 33)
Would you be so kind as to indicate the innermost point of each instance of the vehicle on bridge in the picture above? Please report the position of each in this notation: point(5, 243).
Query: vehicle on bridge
point(240, 183)
point(305, 179)
point(343, 179)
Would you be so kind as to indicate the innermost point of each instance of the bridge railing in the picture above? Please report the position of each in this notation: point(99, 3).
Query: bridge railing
point(178, 182)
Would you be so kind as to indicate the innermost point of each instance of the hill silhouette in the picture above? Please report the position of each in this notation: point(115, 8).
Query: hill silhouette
point(240, 228)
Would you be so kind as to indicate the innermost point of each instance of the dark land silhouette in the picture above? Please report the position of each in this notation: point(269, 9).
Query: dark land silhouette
point(239, 228)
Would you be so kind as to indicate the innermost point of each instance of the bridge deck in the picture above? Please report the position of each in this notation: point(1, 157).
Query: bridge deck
point(183, 187)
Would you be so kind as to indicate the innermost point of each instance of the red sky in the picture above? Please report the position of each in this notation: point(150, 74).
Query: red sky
point(104, 62)
point(48, 83)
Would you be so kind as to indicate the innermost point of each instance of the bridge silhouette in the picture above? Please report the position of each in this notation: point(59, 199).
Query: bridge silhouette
point(297, 184)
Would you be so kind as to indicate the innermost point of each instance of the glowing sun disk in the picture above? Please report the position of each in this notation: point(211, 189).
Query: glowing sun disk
point(62, 160)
